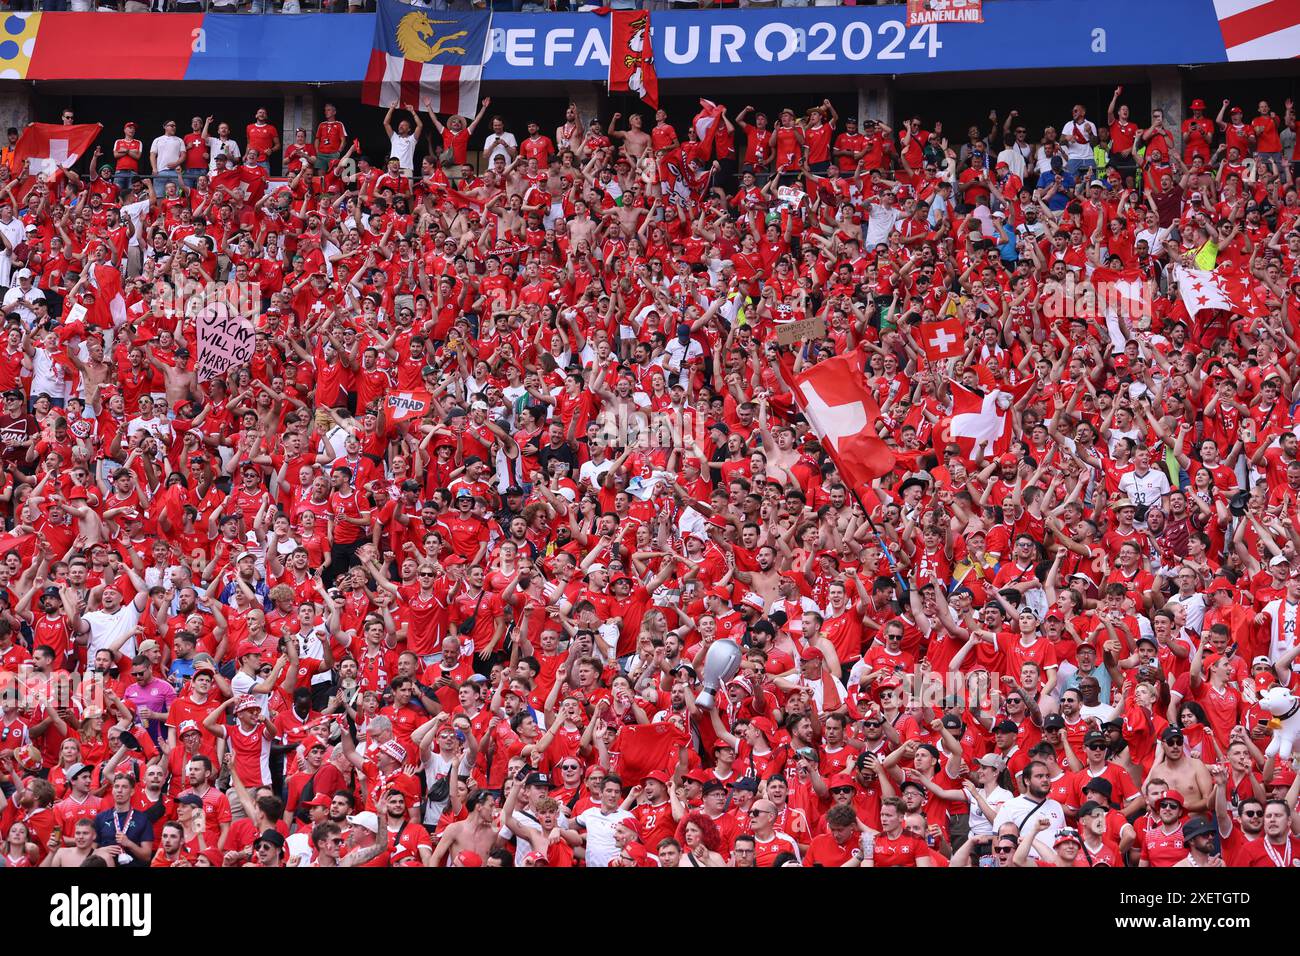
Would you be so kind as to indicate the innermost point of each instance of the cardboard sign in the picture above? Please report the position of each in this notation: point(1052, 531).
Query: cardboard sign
point(788, 333)
point(225, 341)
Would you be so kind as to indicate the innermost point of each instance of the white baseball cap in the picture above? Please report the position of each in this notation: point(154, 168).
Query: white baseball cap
point(367, 820)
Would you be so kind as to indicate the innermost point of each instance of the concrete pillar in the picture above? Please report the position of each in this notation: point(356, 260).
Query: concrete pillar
point(299, 111)
point(876, 100)
point(1167, 95)
point(587, 97)
point(16, 107)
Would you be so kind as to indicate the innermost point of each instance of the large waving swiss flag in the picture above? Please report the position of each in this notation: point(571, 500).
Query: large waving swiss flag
point(834, 398)
point(978, 424)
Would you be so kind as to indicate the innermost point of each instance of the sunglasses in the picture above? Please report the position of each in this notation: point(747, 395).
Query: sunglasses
point(757, 813)
point(1166, 804)
point(1003, 849)
point(841, 789)
point(1252, 813)
point(1096, 746)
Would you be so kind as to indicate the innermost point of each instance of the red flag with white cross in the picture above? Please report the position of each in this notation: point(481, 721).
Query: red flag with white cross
point(941, 340)
point(834, 398)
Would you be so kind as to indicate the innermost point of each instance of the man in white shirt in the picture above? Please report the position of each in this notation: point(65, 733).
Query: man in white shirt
point(1144, 486)
point(14, 232)
point(219, 146)
point(499, 142)
point(1035, 802)
point(599, 823)
point(115, 619)
point(1190, 599)
point(403, 141)
point(167, 155)
point(1078, 135)
point(20, 297)
point(148, 421)
point(589, 475)
point(1019, 151)
point(881, 219)
point(681, 351)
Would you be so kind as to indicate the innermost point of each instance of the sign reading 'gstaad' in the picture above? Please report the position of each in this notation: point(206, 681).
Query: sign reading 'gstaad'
point(226, 341)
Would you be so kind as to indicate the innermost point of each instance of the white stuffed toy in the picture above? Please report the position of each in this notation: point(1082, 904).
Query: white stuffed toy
point(1285, 708)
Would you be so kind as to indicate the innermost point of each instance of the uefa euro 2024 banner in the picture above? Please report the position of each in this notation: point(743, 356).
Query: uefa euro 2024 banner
point(808, 41)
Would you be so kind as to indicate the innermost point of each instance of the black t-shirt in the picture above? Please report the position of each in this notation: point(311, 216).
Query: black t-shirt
point(546, 454)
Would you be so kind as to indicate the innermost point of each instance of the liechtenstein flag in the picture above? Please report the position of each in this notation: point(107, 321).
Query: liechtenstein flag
point(428, 59)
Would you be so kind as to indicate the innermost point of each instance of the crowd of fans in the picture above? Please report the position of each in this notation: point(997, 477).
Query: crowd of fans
point(269, 618)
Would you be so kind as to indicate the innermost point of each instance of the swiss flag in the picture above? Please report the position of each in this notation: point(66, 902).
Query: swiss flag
point(110, 305)
point(834, 398)
point(45, 147)
point(24, 543)
point(978, 424)
point(707, 123)
point(941, 340)
point(1228, 289)
point(244, 181)
point(1121, 292)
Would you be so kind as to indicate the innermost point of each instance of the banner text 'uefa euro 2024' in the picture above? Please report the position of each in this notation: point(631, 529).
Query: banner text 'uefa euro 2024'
point(809, 41)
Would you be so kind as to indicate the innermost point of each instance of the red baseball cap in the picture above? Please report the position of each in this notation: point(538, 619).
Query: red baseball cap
point(661, 776)
point(637, 852)
point(1198, 104)
point(468, 858)
point(1173, 795)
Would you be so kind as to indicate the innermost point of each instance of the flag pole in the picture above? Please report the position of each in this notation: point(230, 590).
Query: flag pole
point(889, 557)
point(799, 403)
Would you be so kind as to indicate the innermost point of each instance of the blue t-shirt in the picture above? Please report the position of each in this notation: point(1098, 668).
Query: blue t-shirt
point(136, 824)
point(1061, 198)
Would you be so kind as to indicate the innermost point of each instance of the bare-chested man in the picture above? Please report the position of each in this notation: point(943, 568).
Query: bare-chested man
point(636, 141)
point(582, 228)
point(94, 369)
point(179, 382)
point(477, 833)
point(1187, 775)
point(766, 581)
point(569, 134)
point(83, 847)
